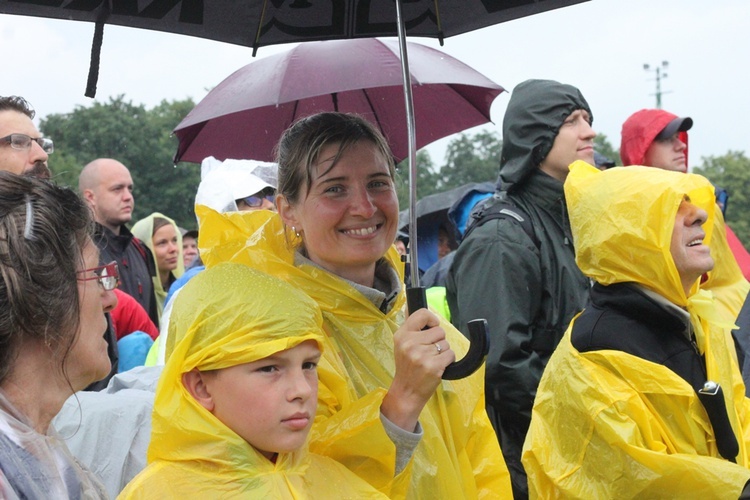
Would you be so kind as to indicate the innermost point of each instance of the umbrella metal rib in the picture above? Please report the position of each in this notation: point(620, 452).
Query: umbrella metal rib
point(412, 142)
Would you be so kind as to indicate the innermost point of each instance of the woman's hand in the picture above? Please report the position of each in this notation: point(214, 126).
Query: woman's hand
point(421, 358)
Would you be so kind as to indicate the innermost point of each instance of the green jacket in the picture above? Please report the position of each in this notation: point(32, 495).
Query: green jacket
point(527, 292)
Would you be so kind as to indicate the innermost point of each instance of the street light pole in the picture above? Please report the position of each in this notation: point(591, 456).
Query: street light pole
point(660, 71)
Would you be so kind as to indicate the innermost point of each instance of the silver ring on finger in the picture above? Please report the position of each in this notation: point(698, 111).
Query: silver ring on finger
point(437, 346)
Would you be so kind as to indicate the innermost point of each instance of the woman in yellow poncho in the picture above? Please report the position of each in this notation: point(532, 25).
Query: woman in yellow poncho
point(238, 395)
point(383, 410)
point(162, 236)
point(617, 414)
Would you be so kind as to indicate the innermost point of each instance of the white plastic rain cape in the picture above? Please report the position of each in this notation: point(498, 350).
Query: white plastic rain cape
point(34, 465)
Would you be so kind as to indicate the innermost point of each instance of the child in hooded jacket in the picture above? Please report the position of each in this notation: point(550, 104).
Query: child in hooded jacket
point(238, 396)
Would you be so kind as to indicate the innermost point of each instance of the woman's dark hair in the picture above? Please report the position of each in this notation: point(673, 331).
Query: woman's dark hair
point(43, 230)
point(300, 146)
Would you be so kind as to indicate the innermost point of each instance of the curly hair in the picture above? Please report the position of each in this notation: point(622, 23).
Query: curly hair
point(299, 147)
point(16, 103)
point(43, 231)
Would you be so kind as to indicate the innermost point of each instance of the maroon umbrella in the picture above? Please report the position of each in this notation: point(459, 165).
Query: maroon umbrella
point(245, 115)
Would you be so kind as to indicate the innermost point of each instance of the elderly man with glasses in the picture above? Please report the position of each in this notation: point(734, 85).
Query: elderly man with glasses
point(22, 149)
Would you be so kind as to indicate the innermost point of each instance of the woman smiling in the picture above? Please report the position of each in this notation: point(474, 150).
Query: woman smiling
point(383, 409)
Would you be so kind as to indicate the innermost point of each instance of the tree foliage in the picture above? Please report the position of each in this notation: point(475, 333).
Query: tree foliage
point(426, 178)
point(141, 139)
point(732, 172)
point(471, 159)
point(603, 146)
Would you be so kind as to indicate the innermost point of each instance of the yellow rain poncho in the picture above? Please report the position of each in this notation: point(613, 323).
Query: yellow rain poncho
point(458, 456)
point(226, 316)
point(607, 424)
point(144, 230)
point(725, 280)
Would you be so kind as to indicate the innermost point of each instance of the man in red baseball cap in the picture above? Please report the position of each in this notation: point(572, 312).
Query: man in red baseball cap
point(655, 138)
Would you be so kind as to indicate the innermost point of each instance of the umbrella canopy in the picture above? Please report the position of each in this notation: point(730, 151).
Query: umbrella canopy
point(434, 211)
point(245, 115)
point(256, 23)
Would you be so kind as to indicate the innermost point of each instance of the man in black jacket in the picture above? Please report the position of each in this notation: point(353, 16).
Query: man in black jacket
point(107, 187)
point(522, 276)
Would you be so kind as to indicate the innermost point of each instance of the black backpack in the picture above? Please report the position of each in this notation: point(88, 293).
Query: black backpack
point(491, 209)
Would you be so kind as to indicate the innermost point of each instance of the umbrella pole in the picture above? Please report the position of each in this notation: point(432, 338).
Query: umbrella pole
point(412, 142)
point(416, 296)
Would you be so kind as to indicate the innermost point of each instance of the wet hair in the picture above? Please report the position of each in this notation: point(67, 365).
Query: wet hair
point(43, 231)
point(18, 104)
point(300, 146)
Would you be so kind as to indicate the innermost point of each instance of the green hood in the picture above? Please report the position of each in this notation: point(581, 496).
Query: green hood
point(536, 111)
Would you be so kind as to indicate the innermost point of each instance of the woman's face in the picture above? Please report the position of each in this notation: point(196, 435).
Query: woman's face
point(349, 217)
point(87, 360)
point(165, 248)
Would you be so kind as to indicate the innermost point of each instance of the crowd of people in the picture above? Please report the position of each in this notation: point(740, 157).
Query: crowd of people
point(274, 356)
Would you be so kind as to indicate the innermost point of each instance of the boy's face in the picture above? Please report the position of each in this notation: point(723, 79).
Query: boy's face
point(271, 402)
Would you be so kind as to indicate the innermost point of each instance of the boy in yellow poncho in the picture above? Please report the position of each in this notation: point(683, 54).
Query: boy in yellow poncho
point(237, 396)
point(617, 414)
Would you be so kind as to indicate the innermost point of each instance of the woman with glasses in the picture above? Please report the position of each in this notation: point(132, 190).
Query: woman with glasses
point(53, 296)
point(262, 200)
point(163, 237)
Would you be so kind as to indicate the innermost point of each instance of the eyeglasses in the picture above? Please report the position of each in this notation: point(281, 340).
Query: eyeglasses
point(256, 200)
point(23, 142)
point(108, 275)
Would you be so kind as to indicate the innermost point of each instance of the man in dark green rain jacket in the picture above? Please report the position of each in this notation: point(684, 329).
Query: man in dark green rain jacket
point(522, 276)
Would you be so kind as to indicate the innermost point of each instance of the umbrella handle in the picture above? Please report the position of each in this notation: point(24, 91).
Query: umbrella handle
point(416, 298)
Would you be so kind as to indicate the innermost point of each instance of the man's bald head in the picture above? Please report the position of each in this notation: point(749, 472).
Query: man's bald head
point(107, 187)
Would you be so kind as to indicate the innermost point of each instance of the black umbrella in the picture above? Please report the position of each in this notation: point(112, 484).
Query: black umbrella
point(432, 212)
point(256, 23)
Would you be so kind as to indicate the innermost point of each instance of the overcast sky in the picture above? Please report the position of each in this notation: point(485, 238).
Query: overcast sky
point(599, 46)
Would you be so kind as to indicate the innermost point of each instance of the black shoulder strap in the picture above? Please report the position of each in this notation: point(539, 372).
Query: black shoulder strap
point(502, 209)
point(143, 250)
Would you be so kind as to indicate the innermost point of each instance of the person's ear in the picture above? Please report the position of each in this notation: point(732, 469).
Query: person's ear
point(88, 196)
point(195, 383)
point(286, 211)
